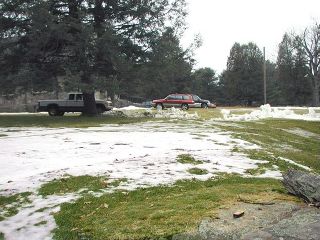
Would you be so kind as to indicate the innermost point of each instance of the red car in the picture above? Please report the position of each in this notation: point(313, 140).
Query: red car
point(182, 101)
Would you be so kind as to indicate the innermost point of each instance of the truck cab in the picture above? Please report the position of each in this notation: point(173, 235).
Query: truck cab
point(73, 103)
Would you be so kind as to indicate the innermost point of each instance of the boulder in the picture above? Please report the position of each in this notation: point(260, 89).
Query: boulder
point(302, 184)
point(283, 220)
point(302, 224)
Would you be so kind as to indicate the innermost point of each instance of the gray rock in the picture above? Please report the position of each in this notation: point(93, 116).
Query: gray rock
point(257, 235)
point(282, 220)
point(187, 236)
point(255, 218)
point(303, 224)
point(302, 184)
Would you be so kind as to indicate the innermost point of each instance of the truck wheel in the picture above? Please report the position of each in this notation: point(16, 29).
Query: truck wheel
point(204, 105)
point(53, 111)
point(60, 113)
point(184, 106)
point(100, 109)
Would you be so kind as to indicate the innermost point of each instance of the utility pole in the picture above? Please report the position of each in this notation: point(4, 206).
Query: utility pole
point(264, 76)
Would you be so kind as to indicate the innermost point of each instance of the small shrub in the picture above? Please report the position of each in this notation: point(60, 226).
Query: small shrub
point(197, 171)
point(188, 159)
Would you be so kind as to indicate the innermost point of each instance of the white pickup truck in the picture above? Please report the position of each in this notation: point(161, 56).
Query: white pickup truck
point(74, 103)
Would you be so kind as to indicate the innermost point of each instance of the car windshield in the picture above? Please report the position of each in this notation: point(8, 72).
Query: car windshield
point(195, 97)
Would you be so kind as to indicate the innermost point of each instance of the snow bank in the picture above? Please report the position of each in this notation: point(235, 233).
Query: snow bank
point(129, 108)
point(175, 113)
point(266, 111)
point(172, 113)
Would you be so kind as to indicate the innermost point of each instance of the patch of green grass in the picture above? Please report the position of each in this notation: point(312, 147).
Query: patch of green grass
point(272, 137)
point(281, 164)
point(9, 205)
point(206, 113)
point(117, 182)
point(42, 209)
point(40, 223)
point(240, 111)
point(156, 212)
point(300, 111)
point(73, 184)
point(3, 135)
point(40, 120)
point(1, 236)
point(216, 112)
point(188, 159)
point(197, 171)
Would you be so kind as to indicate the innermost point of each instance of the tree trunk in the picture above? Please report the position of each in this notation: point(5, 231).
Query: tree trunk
point(315, 94)
point(90, 108)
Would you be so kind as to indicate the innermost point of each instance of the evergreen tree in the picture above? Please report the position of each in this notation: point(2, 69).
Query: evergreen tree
point(205, 83)
point(242, 80)
point(167, 68)
point(88, 39)
point(291, 73)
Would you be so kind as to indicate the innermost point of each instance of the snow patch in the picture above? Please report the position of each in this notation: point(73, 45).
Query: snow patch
point(294, 163)
point(266, 111)
point(303, 133)
point(129, 108)
point(143, 153)
point(271, 174)
point(35, 219)
point(138, 152)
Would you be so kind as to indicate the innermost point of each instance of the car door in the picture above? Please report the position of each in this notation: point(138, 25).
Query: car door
point(169, 101)
point(174, 100)
point(75, 102)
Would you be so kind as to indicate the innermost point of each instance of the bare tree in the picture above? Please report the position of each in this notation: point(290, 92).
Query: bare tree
point(310, 42)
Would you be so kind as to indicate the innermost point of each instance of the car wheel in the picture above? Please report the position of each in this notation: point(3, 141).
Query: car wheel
point(204, 105)
point(184, 106)
point(53, 111)
point(159, 106)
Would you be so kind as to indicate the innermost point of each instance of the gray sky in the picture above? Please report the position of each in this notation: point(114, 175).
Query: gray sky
point(223, 22)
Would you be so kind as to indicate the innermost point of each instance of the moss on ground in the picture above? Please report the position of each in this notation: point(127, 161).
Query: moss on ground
point(9, 205)
point(198, 171)
point(76, 121)
point(40, 223)
point(277, 143)
point(188, 159)
point(117, 182)
point(273, 163)
point(156, 212)
point(73, 184)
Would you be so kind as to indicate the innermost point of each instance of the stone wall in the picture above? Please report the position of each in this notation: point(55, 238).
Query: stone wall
point(24, 102)
point(27, 102)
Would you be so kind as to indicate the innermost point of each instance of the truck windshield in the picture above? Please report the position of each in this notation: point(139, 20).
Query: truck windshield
point(71, 96)
point(79, 97)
